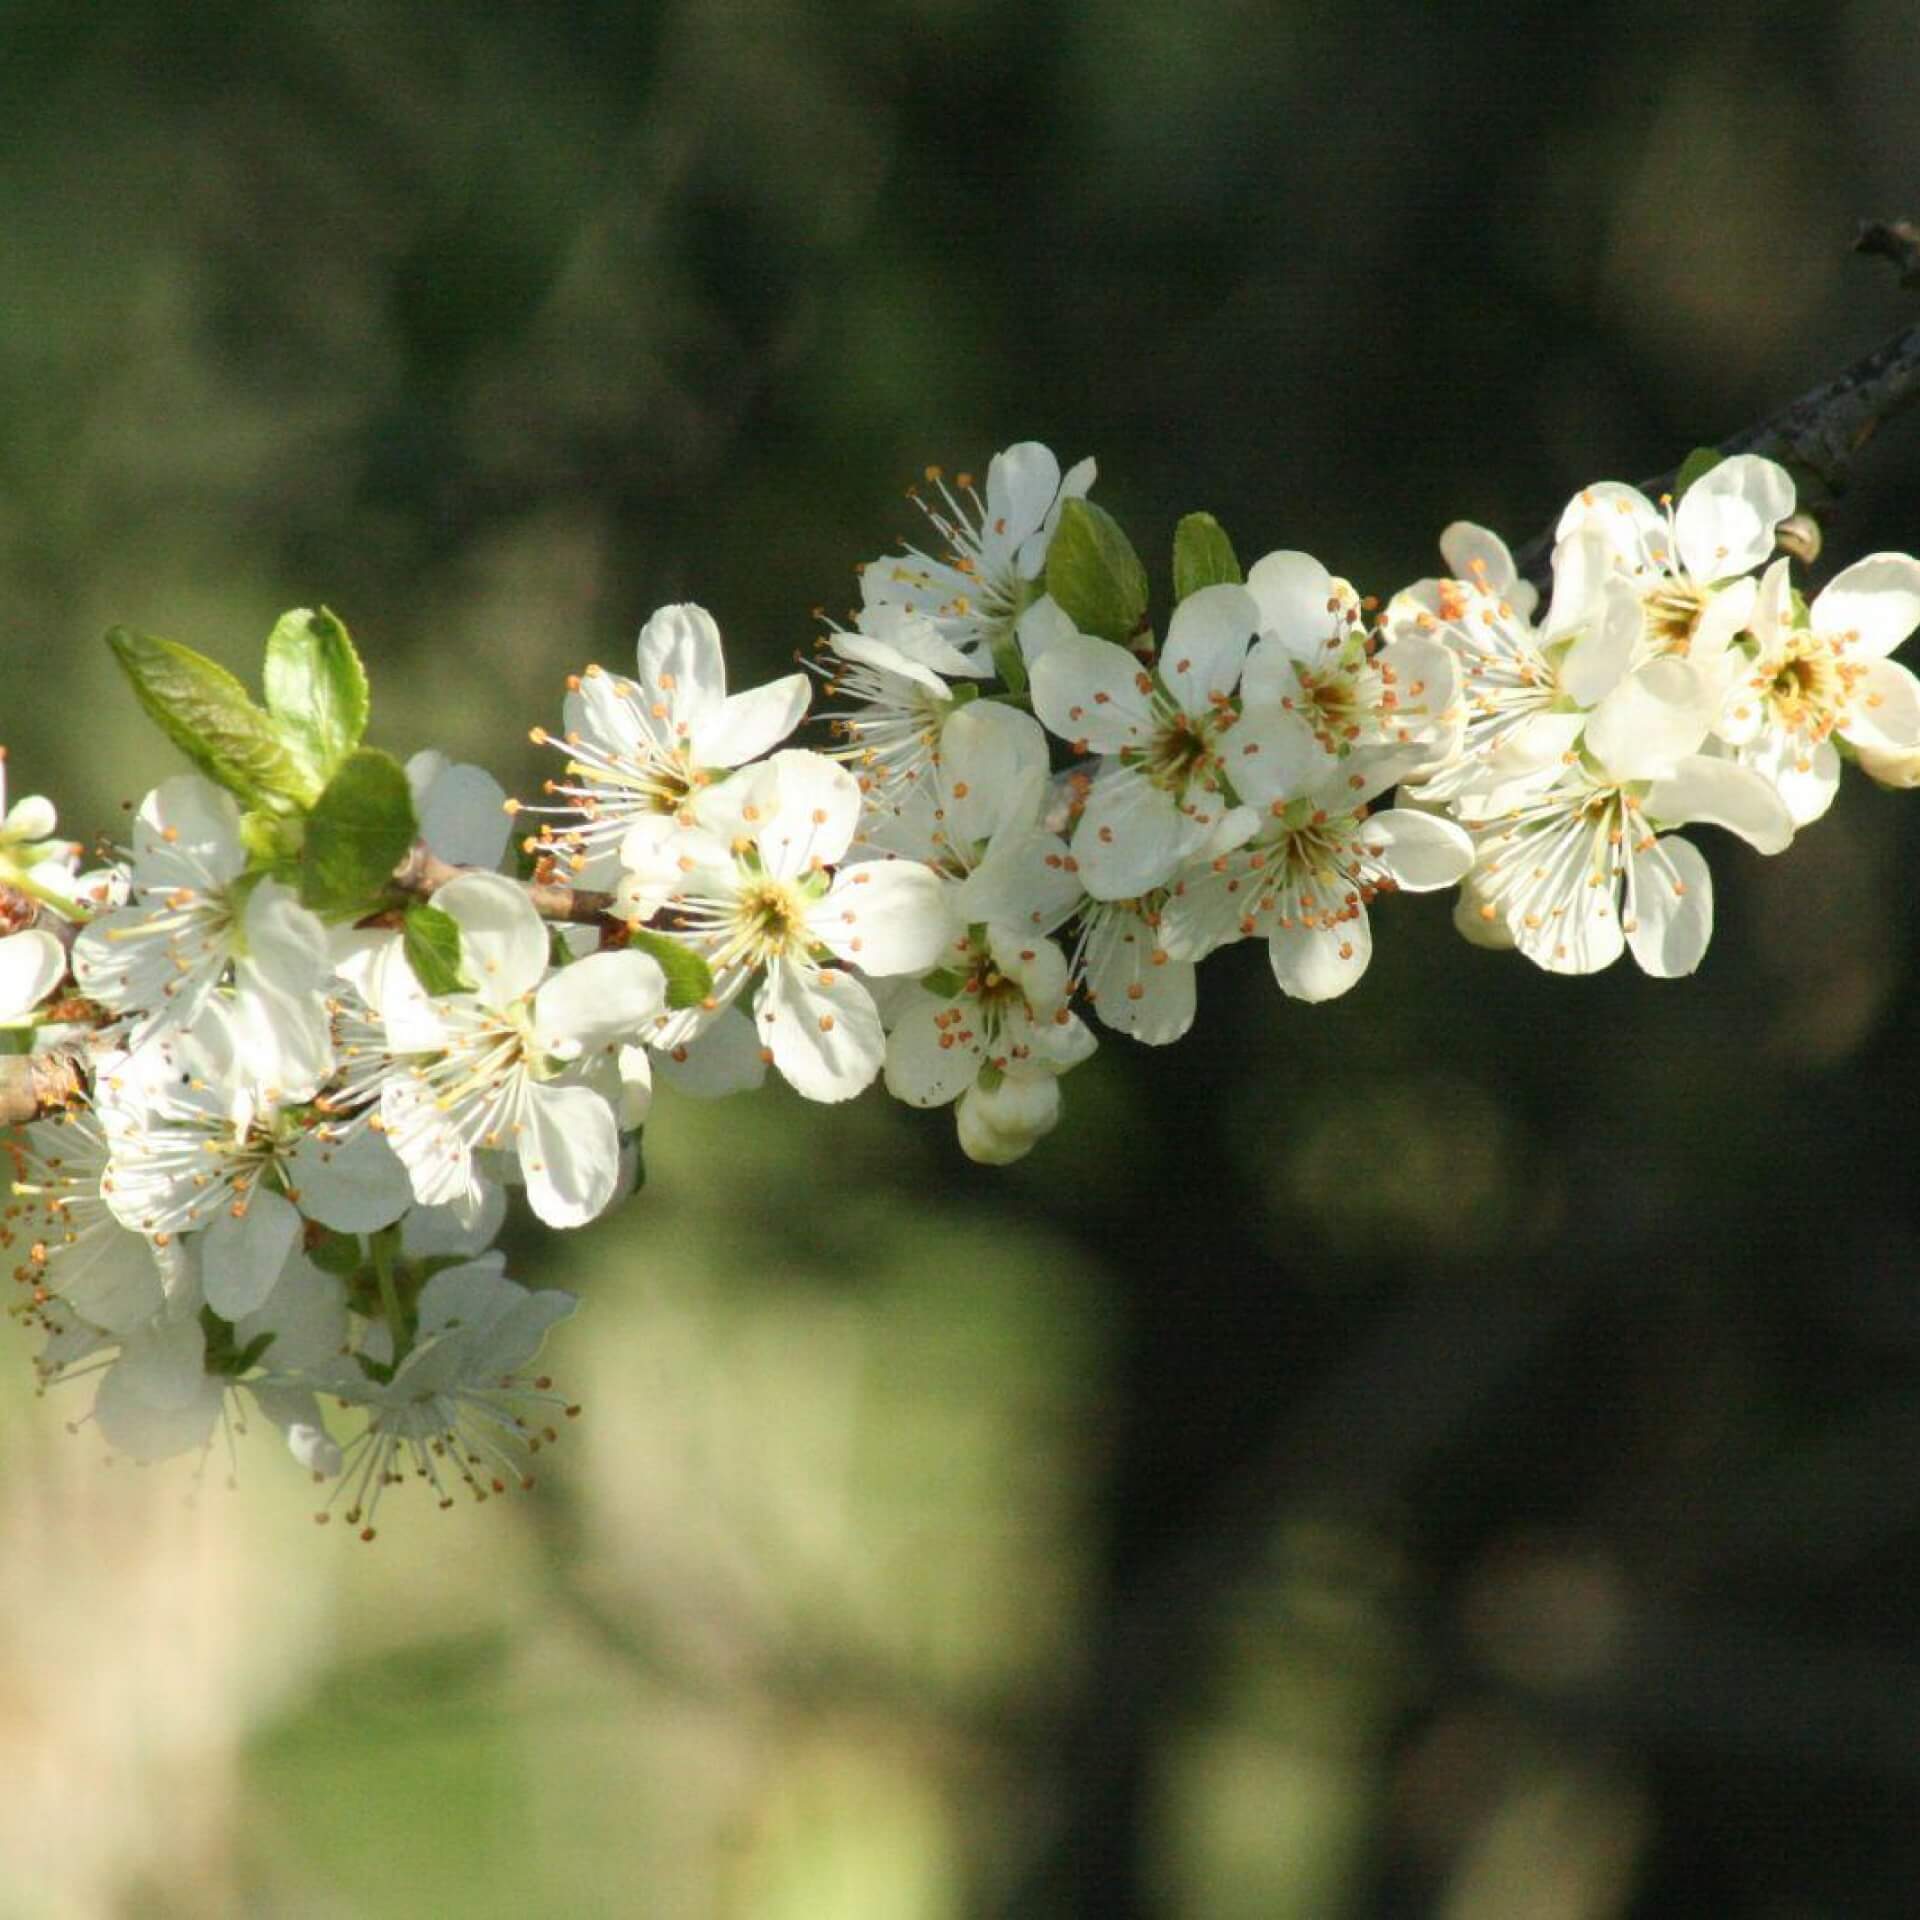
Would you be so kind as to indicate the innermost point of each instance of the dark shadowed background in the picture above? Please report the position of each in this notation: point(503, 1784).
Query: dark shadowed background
point(1456, 1451)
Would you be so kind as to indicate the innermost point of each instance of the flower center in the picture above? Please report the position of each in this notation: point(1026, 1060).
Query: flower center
point(1808, 687)
point(1672, 611)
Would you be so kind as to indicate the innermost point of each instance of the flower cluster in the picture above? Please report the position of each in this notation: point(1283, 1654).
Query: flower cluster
point(317, 1030)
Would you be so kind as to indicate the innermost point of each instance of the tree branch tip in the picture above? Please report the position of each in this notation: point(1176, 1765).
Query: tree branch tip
point(1895, 240)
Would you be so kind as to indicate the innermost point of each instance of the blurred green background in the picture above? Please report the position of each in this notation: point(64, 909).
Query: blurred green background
point(1452, 1452)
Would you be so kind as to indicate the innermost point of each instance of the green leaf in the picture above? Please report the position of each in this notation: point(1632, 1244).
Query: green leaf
point(316, 690)
point(1203, 556)
point(431, 941)
point(689, 978)
point(208, 715)
point(360, 829)
point(1700, 461)
point(1095, 575)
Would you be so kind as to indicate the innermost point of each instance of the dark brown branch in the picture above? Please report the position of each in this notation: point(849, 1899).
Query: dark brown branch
point(422, 872)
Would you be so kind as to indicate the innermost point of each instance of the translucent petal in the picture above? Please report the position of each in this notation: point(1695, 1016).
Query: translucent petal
point(569, 1153)
point(679, 663)
point(885, 916)
point(822, 1028)
point(1669, 908)
point(241, 1256)
point(1093, 695)
point(1877, 599)
point(503, 941)
point(1206, 646)
point(749, 724)
point(1317, 963)
point(595, 1002)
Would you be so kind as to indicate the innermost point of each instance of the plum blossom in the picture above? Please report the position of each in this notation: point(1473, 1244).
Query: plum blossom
point(504, 1066)
point(1829, 678)
point(643, 755)
point(770, 908)
point(988, 589)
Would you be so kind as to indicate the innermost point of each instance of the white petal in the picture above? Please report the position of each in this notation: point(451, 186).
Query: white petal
point(1805, 779)
point(1317, 963)
point(1039, 966)
point(751, 723)
point(569, 1152)
point(1669, 909)
point(803, 812)
point(680, 664)
point(1877, 598)
point(353, 1185)
point(822, 1029)
point(152, 1405)
point(1480, 557)
point(241, 1257)
point(187, 834)
point(1271, 754)
point(31, 966)
point(933, 1053)
point(1206, 646)
point(463, 815)
point(1131, 837)
point(995, 761)
point(1885, 712)
point(1419, 851)
point(1041, 628)
point(1606, 645)
point(1293, 591)
point(606, 997)
point(1092, 694)
point(1724, 523)
point(1136, 987)
point(1650, 721)
point(1722, 794)
point(724, 1057)
point(885, 916)
point(1628, 524)
point(503, 941)
point(1022, 483)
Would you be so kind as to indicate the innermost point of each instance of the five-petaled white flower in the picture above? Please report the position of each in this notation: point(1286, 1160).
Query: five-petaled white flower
point(770, 907)
point(504, 1066)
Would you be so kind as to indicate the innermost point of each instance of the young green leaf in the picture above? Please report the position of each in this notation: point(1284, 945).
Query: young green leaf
point(1701, 460)
point(316, 690)
point(1094, 573)
point(689, 978)
point(207, 714)
point(431, 941)
point(1203, 556)
point(360, 830)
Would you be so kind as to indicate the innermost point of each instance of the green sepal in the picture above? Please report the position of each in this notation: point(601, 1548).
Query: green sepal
point(360, 829)
point(339, 1254)
point(1203, 556)
point(1702, 460)
point(316, 690)
point(224, 1360)
point(1095, 575)
point(689, 978)
point(207, 714)
point(943, 982)
point(431, 941)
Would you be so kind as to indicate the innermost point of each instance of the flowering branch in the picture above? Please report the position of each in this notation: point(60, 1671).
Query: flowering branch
point(286, 1053)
